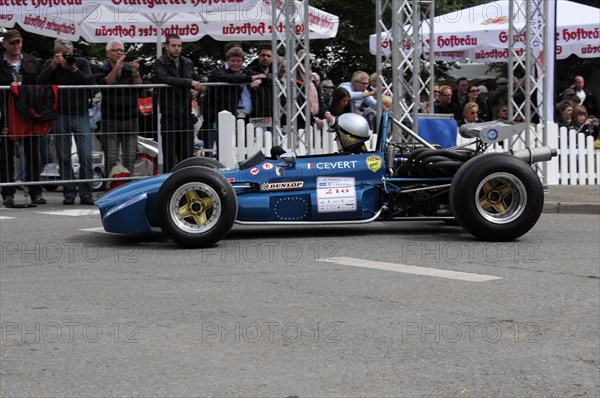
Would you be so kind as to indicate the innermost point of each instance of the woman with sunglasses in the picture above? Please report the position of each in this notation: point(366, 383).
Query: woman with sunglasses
point(470, 114)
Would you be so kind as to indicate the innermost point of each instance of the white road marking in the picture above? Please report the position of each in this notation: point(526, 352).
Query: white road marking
point(5, 218)
point(72, 212)
point(411, 269)
point(96, 229)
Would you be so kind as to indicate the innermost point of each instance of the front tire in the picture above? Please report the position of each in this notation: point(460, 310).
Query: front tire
point(198, 161)
point(496, 197)
point(196, 207)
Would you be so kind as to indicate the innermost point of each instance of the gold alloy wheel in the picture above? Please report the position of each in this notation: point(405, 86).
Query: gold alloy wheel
point(195, 207)
point(501, 198)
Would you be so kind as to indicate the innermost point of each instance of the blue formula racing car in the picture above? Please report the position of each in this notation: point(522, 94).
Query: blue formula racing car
point(495, 196)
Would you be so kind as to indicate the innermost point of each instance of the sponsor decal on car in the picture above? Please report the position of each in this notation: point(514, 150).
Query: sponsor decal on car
point(374, 163)
point(281, 186)
point(267, 166)
point(255, 171)
point(336, 194)
point(280, 171)
point(342, 164)
point(492, 134)
point(231, 179)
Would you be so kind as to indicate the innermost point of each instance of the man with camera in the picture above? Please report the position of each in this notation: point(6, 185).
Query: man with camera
point(66, 69)
point(119, 106)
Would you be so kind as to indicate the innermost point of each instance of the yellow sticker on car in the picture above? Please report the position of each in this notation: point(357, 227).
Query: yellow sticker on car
point(374, 163)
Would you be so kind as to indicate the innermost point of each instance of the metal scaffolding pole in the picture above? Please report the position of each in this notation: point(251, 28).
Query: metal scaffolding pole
point(406, 59)
point(529, 97)
point(291, 41)
point(525, 103)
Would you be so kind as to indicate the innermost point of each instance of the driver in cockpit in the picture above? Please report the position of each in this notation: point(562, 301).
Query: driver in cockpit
point(351, 132)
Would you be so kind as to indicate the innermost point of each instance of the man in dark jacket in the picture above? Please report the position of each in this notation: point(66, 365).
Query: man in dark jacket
point(119, 106)
point(16, 66)
point(460, 96)
point(65, 69)
point(446, 105)
point(235, 98)
point(175, 102)
point(262, 95)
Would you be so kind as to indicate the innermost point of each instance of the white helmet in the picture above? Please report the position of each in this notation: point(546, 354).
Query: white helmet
point(353, 132)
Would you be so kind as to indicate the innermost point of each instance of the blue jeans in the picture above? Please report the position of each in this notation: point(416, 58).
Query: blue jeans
point(79, 125)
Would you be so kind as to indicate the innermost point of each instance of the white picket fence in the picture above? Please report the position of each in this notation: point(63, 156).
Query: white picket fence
point(577, 163)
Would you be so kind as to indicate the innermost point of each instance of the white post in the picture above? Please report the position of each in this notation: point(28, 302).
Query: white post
point(563, 154)
point(592, 174)
point(552, 169)
point(581, 159)
point(268, 141)
point(572, 158)
point(240, 144)
point(226, 153)
point(259, 137)
point(250, 147)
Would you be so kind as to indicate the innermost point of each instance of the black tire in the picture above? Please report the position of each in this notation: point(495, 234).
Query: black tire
point(195, 161)
point(50, 188)
point(496, 197)
point(98, 185)
point(211, 207)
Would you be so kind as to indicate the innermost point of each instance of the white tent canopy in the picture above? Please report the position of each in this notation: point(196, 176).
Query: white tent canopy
point(480, 33)
point(227, 20)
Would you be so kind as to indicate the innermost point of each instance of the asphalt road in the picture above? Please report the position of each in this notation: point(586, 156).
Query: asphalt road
point(296, 312)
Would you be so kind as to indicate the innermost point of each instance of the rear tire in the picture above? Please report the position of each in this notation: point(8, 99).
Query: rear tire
point(196, 207)
point(496, 197)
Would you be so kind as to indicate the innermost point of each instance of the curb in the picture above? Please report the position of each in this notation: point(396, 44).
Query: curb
point(571, 208)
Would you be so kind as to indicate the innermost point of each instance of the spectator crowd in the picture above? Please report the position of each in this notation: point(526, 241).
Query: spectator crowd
point(189, 108)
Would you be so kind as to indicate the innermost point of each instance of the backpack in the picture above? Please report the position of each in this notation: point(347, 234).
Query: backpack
point(31, 110)
point(36, 103)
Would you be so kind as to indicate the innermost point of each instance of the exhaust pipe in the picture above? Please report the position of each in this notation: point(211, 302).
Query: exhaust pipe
point(532, 155)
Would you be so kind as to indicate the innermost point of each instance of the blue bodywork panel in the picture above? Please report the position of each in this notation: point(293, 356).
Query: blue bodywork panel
point(316, 188)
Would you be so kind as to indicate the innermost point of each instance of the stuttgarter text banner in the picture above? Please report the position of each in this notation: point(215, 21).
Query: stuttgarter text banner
point(139, 20)
point(51, 6)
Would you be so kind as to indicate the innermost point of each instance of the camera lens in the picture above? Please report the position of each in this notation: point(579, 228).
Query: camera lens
point(69, 58)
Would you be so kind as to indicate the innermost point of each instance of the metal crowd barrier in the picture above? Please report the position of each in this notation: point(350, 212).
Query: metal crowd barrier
point(128, 125)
